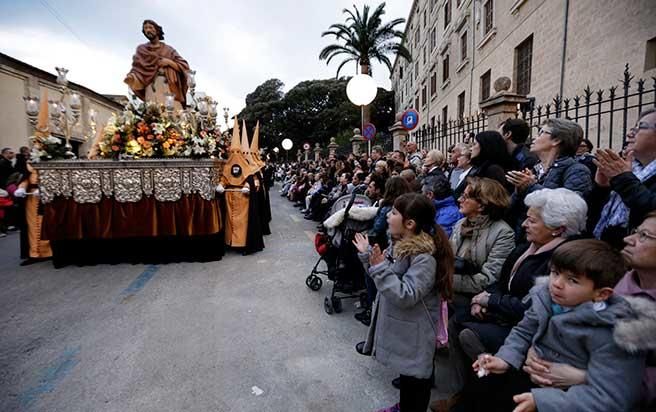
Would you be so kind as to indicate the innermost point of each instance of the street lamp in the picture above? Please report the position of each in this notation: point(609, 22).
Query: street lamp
point(287, 144)
point(361, 90)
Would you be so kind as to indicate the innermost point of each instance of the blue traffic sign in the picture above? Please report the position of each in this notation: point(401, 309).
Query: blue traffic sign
point(410, 119)
point(369, 131)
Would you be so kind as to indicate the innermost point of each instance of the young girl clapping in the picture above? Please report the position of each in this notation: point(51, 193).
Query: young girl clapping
point(413, 277)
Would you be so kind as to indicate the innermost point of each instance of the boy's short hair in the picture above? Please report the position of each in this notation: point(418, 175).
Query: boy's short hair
point(592, 258)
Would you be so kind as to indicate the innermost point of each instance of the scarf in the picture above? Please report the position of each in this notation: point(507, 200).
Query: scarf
point(615, 212)
point(469, 225)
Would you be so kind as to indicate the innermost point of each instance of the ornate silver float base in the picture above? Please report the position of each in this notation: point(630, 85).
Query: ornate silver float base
point(87, 181)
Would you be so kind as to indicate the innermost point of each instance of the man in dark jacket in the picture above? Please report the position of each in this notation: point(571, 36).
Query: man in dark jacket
point(627, 188)
point(6, 168)
point(515, 132)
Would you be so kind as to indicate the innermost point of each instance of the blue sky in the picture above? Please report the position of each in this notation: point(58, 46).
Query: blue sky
point(233, 45)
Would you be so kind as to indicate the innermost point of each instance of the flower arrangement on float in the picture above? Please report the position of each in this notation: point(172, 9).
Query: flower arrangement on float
point(147, 131)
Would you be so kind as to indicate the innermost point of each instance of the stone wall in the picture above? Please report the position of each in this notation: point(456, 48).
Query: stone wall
point(602, 36)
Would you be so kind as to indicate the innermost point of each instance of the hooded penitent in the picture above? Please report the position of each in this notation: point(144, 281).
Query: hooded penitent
point(235, 173)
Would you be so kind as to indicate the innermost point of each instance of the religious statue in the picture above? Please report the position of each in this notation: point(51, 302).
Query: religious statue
point(157, 69)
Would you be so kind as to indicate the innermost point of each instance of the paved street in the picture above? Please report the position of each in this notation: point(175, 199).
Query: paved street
point(183, 337)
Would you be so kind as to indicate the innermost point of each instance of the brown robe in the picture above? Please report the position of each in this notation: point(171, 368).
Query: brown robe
point(145, 67)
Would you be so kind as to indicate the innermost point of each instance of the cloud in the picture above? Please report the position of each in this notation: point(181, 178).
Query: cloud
point(233, 46)
point(99, 69)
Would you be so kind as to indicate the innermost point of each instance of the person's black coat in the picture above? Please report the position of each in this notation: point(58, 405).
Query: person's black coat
point(522, 158)
point(507, 303)
point(6, 170)
point(486, 169)
point(442, 181)
point(639, 197)
point(254, 233)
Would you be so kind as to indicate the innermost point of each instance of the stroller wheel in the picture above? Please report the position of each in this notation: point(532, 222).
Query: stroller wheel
point(316, 283)
point(328, 305)
point(309, 279)
point(337, 304)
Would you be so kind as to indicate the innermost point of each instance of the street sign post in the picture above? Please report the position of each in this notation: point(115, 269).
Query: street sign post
point(410, 119)
point(369, 131)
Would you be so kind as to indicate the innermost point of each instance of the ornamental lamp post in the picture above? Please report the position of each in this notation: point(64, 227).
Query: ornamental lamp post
point(226, 110)
point(287, 144)
point(361, 90)
point(32, 109)
point(64, 113)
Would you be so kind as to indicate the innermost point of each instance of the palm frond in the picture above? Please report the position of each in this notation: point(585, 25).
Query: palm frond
point(339, 68)
point(364, 37)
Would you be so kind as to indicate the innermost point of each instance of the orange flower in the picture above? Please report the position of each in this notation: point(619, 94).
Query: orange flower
point(141, 140)
point(142, 128)
point(166, 145)
point(146, 145)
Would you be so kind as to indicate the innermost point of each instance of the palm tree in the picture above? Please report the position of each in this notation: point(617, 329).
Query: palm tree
point(365, 38)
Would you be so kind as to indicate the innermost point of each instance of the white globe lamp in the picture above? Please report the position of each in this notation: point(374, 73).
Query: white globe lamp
point(361, 89)
point(287, 144)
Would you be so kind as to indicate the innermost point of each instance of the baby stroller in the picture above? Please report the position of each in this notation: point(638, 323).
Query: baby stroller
point(349, 215)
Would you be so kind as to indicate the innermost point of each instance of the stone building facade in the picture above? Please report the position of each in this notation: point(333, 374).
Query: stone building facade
point(547, 48)
point(19, 79)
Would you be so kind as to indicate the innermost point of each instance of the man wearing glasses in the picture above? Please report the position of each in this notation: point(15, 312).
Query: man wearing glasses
point(632, 181)
point(640, 254)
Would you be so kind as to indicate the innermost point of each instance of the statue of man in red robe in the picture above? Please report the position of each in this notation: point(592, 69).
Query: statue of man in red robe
point(157, 68)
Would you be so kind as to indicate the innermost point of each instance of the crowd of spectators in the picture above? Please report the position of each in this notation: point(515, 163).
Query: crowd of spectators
point(543, 257)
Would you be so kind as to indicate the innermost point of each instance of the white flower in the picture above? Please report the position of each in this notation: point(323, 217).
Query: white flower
point(53, 140)
point(198, 150)
point(159, 128)
point(111, 125)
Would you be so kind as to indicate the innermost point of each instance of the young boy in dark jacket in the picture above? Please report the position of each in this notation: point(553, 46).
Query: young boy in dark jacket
point(571, 321)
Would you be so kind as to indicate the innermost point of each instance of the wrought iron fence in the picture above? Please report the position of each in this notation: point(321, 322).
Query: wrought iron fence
point(604, 115)
point(444, 134)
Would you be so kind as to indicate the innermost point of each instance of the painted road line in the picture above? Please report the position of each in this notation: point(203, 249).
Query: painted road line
point(52, 376)
point(140, 281)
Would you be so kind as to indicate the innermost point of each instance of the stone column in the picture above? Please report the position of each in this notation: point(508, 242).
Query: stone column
point(356, 141)
point(502, 105)
point(299, 155)
point(399, 134)
point(317, 152)
point(307, 154)
point(332, 148)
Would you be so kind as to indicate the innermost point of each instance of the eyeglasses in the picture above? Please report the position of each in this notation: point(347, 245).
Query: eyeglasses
point(643, 235)
point(466, 196)
point(643, 126)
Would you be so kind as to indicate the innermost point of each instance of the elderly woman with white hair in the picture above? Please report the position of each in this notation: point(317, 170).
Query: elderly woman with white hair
point(554, 216)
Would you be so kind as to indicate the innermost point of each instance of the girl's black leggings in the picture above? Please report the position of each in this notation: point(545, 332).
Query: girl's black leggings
point(415, 393)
